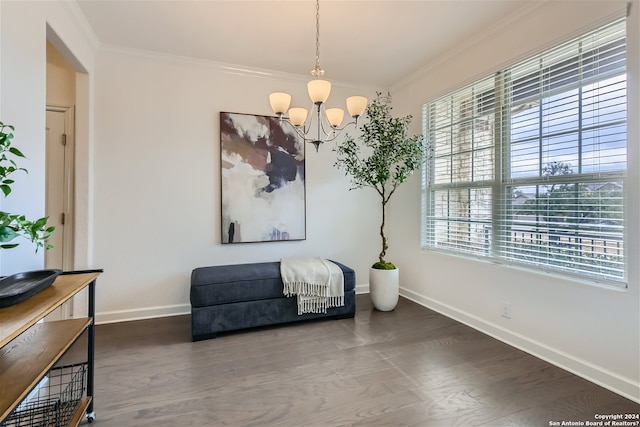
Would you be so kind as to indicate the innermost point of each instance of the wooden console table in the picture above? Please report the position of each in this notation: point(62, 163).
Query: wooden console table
point(29, 349)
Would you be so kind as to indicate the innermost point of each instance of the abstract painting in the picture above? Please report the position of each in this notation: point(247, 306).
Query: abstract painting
point(263, 180)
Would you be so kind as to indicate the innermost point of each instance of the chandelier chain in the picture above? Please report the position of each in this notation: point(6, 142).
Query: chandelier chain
point(318, 33)
point(317, 72)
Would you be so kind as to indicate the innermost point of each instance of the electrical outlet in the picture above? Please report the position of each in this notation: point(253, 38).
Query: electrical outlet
point(505, 310)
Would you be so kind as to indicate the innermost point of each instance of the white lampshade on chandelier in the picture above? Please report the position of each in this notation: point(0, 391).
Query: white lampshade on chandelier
point(328, 124)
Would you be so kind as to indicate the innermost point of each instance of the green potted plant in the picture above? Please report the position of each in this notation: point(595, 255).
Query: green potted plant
point(13, 226)
point(385, 157)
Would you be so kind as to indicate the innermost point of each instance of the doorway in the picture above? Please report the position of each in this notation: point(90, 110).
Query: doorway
point(68, 179)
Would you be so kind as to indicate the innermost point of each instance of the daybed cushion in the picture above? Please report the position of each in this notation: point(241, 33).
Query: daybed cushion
point(226, 284)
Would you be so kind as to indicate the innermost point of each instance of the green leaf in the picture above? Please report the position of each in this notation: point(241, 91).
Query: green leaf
point(5, 189)
point(7, 234)
point(16, 152)
point(40, 222)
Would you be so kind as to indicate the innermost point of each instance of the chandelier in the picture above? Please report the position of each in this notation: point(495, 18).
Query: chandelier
point(328, 124)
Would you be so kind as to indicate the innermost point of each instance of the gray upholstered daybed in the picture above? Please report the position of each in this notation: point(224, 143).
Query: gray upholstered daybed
point(231, 297)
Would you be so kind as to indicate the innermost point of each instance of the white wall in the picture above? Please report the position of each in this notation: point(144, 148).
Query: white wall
point(585, 328)
point(24, 28)
point(157, 188)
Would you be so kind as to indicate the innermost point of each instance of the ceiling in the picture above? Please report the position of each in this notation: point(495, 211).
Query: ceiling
point(374, 43)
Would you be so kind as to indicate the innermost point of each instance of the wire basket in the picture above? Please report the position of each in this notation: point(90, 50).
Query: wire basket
point(54, 401)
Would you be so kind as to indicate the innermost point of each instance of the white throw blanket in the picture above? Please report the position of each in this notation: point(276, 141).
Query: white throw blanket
point(318, 283)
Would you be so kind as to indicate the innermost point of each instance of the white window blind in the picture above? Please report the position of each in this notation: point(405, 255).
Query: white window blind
point(529, 165)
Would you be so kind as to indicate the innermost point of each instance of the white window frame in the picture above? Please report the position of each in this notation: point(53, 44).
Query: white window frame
point(493, 236)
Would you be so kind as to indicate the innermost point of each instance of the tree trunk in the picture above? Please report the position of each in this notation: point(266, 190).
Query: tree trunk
point(384, 239)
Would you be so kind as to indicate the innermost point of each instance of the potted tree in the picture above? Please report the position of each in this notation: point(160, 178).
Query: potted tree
point(384, 159)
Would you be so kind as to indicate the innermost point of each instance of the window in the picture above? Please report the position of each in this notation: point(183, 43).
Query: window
point(529, 165)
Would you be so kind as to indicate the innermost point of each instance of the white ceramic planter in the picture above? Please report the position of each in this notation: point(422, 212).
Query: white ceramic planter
point(384, 288)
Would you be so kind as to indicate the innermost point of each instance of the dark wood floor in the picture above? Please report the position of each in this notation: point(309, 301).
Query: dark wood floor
point(411, 366)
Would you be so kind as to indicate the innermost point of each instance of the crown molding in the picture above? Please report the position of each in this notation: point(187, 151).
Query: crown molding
point(523, 11)
point(529, 7)
point(227, 68)
point(80, 21)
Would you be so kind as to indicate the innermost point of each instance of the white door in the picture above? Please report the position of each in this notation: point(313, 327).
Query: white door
point(59, 190)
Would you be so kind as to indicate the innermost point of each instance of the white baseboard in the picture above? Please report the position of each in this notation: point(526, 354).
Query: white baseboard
point(141, 314)
point(362, 289)
point(603, 377)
